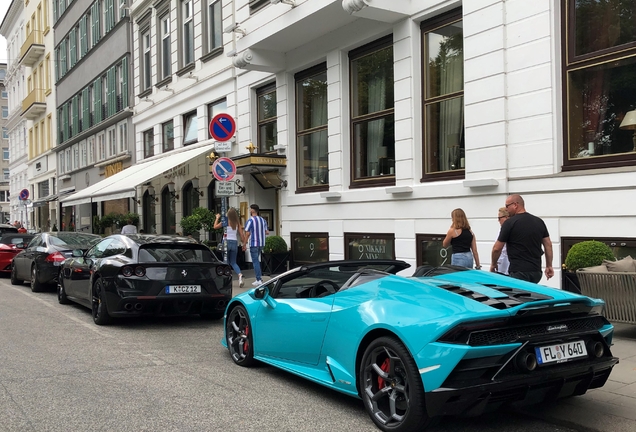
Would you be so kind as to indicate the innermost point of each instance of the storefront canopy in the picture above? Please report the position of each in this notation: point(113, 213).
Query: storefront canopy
point(124, 183)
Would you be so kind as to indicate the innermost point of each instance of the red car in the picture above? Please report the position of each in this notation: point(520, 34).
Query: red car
point(11, 245)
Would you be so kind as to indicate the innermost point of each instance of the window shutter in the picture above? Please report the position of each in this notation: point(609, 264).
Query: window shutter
point(72, 38)
point(111, 14)
point(65, 121)
point(112, 104)
point(85, 109)
point(124, 82)
point(97, 108)
point(82, 37)
point(75, 115)
point(63, 58)
point(96, 14)
point(54, 11)
point(122, 11)
point(93, 40)
point(57, 64)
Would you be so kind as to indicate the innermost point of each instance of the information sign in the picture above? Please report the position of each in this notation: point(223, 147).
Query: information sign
point(223, 188)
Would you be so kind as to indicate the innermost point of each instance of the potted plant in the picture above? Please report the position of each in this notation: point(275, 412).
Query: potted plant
point(581, 255)
point(275, 255)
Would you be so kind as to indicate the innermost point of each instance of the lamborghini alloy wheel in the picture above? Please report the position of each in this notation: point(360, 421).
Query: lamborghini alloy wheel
point(238, 334)
point(391, 387)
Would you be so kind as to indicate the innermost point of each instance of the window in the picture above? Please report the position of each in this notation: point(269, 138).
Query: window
point(69, 159)
point(190, 199)
point(256, 5)
point(215, 108)
point(600, 90)
point(149, 143)
point(444, 97)
point(111, 136)
point(191, 129)
point(188, 32)
point(5, 112)
point(309, 247)
point(91, 150)
point(311, 128)
point(215, 25)
point(168, 216)
point(5, 153)
point(61, 165)
point(101, 146)
point(3, 196)
point(83, 154)
point(5, 173)
point(5, 133)
point(266, 112)
point(372, 118)
point(76, 156)
point(166, 58)
point(430, 250)
point(5, 95)
point(168, 136)
point(145, 61)
point(43, 189)
point(123, 137)
point(369, 246)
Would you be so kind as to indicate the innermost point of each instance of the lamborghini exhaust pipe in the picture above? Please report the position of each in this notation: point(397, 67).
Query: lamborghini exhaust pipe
point(527, 362)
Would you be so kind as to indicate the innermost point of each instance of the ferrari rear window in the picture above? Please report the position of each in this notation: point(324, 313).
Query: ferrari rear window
point(16, 240)
point(175, 253)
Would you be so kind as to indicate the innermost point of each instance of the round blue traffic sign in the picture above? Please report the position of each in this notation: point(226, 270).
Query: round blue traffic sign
point(24, 195)
point(222, 127)
point(224, 169)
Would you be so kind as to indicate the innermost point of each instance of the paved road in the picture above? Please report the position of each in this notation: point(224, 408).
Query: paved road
point(60, 372)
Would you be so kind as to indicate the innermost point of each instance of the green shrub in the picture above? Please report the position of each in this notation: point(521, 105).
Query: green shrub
point(275, 244)
point(587, 254)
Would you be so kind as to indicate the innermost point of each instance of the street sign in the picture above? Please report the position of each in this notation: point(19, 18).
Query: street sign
point(223, 169)
point(222, 127)
point(24, 195)
point(224, 188)
point(223, 146)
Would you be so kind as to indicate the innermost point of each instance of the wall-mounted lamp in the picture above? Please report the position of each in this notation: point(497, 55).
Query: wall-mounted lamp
point(235, 28)
point(291, 3)
point(173, 195)
point(151, 193)
point(195, 185)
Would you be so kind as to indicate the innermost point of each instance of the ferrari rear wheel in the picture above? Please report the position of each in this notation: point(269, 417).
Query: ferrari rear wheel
point(391, 387)
point(238, 335)
point(100, 311)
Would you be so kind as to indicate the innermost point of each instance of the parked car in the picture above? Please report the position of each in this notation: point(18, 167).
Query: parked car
point(40, 262)
point(139, 274)
point(446, 341)
point(6, 228)
point(12, 244)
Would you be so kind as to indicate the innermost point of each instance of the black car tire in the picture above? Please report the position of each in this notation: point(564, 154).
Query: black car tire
point(14, 276)
point(212, 315)
point(99, 308)
point(238, 336)
point(388, 373)
point(61, 292)
point(36, 286)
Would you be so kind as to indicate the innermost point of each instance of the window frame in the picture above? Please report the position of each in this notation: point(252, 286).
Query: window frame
point(187, 117)
point(145, 59)
point(211, 108)
point(428, 26)
point(261, 91)
point(187, 6)
point(164, 70)
point(148, 145)
point(572, 63)
point(310, 235)
point(350, 236)
point(212, 21)
point(420, 258)
point(164, 145)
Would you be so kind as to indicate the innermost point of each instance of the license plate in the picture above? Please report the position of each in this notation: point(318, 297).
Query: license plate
point(183, 289)
point(560, 353)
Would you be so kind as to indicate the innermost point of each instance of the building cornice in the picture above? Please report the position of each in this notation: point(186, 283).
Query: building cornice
point(10, 19)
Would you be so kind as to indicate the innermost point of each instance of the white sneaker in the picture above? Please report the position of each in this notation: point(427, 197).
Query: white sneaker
point(241, 283)
point(257, 283)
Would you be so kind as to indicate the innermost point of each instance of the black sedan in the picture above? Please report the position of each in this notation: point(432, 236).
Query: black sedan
point(40, 262)
point(136, 275)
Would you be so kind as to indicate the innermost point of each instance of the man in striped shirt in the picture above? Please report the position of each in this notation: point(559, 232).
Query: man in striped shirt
point(255, 232)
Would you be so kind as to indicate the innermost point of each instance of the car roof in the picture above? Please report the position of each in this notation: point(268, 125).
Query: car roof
point(393, 266)
point(8, 236)
point(58, 233)
point(142, 239)
point(6, 226)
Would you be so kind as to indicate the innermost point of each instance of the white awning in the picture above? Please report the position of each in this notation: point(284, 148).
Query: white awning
point(124, 183)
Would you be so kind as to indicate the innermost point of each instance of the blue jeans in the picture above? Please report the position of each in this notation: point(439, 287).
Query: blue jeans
point(255, 252)
point(462, 259)
point(232, 251)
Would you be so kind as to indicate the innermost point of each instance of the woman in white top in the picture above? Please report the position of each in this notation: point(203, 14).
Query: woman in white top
point(502, 262)
point(234, 231)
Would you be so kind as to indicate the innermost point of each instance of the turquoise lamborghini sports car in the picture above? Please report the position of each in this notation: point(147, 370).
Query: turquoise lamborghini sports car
point(445, 341)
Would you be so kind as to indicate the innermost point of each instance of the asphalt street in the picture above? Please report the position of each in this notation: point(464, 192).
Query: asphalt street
point(61, 372)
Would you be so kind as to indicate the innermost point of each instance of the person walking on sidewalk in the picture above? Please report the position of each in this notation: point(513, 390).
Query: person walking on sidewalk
point(523, 234)
point(461, 237)
point(255, 232)
point(233, 232)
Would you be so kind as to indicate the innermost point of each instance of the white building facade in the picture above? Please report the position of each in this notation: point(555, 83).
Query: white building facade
point(362, 124)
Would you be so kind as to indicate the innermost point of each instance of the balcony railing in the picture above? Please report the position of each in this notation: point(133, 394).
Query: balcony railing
point(34, 104)
point(32, 48)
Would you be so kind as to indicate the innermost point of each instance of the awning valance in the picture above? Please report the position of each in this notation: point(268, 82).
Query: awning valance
point(124, 183)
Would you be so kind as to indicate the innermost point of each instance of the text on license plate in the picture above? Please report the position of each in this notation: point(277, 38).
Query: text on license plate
point(183, 289)
point(561, 352)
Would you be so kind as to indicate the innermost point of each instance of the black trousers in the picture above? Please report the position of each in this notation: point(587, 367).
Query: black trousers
point(533, 277)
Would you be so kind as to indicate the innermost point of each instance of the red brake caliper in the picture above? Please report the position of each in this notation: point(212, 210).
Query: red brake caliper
point(385, 368)
point(246, 345)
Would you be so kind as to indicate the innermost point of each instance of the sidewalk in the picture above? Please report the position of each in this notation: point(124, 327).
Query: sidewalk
point(612, 408)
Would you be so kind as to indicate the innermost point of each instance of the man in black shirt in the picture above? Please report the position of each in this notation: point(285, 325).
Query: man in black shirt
point(524, 234)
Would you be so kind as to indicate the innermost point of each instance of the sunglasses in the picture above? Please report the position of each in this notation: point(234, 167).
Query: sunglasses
point(510, 204)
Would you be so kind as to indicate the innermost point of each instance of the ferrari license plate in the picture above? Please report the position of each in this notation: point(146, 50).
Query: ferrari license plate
point(183, 289)
point(560, 353)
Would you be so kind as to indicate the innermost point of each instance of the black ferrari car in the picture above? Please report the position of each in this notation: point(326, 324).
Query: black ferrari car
point(135, 275)
point(40, 262)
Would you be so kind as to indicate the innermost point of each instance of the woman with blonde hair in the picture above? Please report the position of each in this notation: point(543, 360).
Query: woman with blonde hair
point(463, 240)
point(234, 231)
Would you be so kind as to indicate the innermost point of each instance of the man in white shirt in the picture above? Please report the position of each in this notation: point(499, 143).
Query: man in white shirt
point(129, 228)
